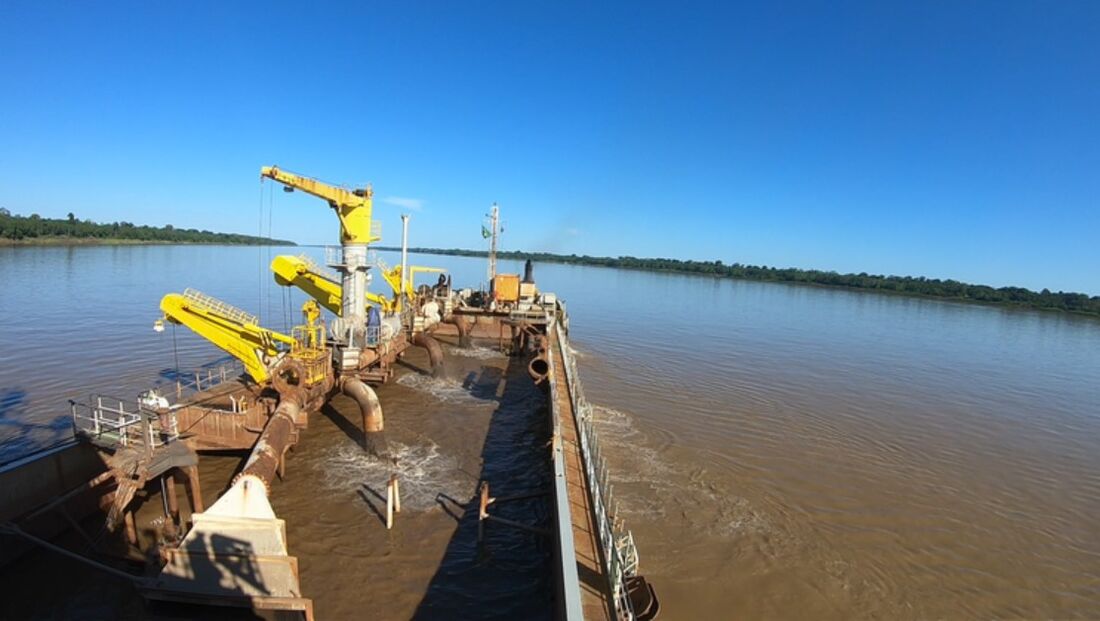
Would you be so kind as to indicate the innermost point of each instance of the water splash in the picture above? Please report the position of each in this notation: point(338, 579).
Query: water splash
point(442, 389)
point(477, 353)
point(649, 485)
point(423, 470)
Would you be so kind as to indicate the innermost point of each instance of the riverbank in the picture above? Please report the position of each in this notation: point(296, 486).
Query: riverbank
point(92, 241)
point(948, 290)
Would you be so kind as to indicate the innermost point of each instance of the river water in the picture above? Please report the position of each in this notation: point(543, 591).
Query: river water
point(779, 451)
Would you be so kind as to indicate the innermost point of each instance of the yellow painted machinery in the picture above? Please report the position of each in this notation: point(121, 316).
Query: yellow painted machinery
point(232, 330)
point(309, 365)
point(393, 278)
point(318, 283)
point(296, 361)
point(353, 207)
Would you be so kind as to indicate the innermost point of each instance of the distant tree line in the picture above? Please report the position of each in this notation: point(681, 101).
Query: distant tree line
point(930, 287)
point(34, 227)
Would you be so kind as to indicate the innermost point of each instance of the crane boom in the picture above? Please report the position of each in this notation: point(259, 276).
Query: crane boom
point(353, 207)
point(302, 273)
point(234, 331)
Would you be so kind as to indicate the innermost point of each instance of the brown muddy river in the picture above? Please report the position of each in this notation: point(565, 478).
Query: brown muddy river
point(780, 451)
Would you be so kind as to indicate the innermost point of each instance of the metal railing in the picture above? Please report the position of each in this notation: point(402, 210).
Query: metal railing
point(219, 307)
point(334, 255)
point(320, 270)
point(114, 423)
point(617, 543)
point(533, 314)
point(205, 379)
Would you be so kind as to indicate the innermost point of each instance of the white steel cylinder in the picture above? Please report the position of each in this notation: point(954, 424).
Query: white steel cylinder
point(354, 301)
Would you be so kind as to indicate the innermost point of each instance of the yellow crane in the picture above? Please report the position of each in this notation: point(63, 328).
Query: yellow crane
point(392, 276)
point(232, 330)
point(353, 207)
point(324, 287)
point(264, 352)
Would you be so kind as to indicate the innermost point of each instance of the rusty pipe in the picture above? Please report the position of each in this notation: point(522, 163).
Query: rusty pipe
point(275, 439)
point(460, 327)
point(374, 435)
point(539, 368)
point(435, 352)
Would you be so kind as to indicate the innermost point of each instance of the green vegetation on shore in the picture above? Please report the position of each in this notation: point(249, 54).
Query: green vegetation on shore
point(36, 230)
point(907, 285)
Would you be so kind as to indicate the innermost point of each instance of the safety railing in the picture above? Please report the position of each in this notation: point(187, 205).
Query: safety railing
point(205, 379)
point(114, 423)
point(219, 307)
point(619, 551)
point(320, 270)
point(534, 314)
point(334, 256)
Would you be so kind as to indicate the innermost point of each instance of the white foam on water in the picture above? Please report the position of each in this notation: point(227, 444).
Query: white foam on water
point(423, 473)
point(441, 388)
point(648, 486)
point(476, 352)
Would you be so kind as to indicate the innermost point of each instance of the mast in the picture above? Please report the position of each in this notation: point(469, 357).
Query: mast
point(494, 219)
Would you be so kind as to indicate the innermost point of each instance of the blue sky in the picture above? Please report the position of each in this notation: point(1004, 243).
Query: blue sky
point(943, 139)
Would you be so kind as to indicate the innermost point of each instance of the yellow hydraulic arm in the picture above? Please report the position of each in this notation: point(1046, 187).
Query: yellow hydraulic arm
point(353, 207)
point(302, 273)
point(392, 277)
point(231, 329)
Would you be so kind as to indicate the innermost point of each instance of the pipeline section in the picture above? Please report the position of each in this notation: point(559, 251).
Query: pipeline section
point(461, 329)
point(374, 436)
point(435, 352)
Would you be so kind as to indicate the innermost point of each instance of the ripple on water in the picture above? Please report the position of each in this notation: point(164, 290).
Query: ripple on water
point(425, 472)
point(652, 487)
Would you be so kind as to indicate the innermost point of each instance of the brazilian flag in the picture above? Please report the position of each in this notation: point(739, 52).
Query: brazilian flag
point(485, 233)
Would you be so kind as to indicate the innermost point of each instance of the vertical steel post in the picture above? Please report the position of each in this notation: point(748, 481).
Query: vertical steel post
point(404, 255)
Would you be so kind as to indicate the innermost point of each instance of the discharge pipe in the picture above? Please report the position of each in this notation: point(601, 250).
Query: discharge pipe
point(374, 436)
point(539, 367)
point(461, 329)
point(435, 352)
point(275, 439)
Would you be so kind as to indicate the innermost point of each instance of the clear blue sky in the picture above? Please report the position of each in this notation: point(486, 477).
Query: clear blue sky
point(946, 139)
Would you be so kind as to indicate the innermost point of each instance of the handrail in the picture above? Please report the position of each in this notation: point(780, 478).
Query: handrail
point(619, 551)
point(567, 565)
point(218, 307)
point(113, 423)
point(201, 380)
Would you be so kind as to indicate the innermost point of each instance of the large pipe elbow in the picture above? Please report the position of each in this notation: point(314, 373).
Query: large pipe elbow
point(460, 327)
point(435, 352)
point(374, 438)
point(539, 368)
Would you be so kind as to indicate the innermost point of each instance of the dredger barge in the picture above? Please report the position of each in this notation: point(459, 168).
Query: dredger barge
point(129, 460)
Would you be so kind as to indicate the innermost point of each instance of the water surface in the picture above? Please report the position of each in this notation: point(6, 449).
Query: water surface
point(780, 451)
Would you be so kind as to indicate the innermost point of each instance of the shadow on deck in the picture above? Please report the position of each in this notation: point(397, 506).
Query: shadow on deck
point(507, 575)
